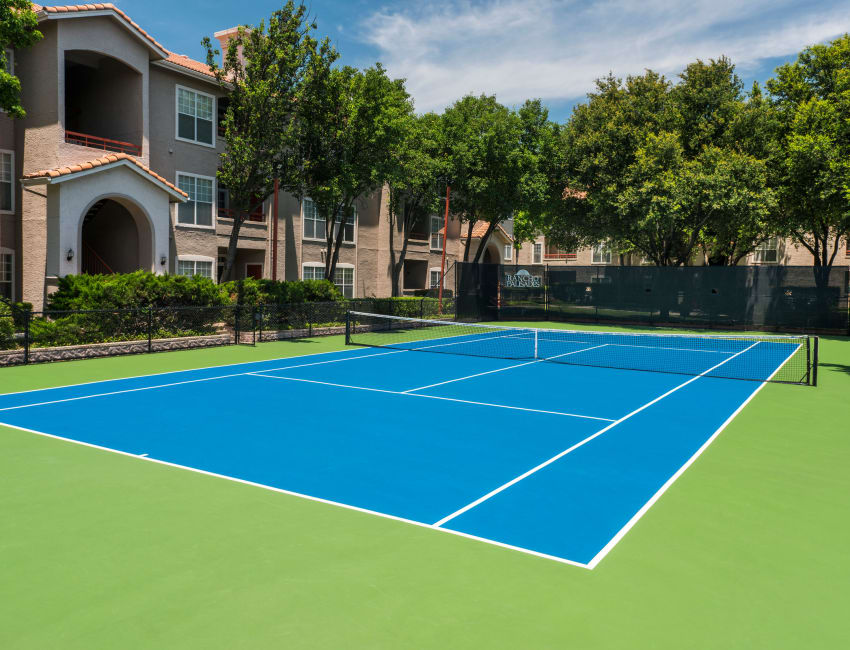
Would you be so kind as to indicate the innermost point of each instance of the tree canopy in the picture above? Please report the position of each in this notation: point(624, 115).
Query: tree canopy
point(18, 29)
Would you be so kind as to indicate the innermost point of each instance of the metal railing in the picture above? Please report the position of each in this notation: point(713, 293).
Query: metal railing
point(107, 144)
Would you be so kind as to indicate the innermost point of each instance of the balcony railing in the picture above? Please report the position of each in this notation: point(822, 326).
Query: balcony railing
point(96, 142)
point(559, 256)
point(256, 215)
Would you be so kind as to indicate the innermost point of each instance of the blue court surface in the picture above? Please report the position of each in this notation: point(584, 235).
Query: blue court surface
point(549, 459)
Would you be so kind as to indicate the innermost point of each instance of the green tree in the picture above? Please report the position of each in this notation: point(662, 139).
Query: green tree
point(263, 71)
point(492, 158)
point(352, 121)
point(416, 183)
point(812, 98)
point(18, 29)
point(662, 170)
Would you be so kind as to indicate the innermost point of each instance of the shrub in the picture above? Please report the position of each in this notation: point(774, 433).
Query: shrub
point(273, 292)
point(7, 327)
point(137, 289)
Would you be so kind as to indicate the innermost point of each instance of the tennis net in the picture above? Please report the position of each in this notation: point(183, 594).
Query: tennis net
point(785, 359)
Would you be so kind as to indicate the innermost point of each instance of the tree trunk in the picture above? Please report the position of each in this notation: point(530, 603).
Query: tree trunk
point(232, 244)
point(484, 240)
point(468, 240)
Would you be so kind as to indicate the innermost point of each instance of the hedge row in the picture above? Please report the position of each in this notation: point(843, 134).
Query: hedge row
point(145, 289)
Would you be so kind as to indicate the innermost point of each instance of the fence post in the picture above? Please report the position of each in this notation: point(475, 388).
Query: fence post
point(27, 314)
point(310, 313)
point(236, 323)
point(261, 313)
point(150, 329)
point(815, 363)
point(348, 327)
point(422, 307)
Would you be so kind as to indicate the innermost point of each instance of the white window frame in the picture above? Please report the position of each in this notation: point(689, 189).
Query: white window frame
point(508, 251)
point(10, 252)
point(340, 266)
point(438, 234)
point(313, 265)
point(761, 249)
point(600, 247)
point(214, 205)
point(197, 258)
point(345, 242)
point(177, 89)
point(11, 179)
point(537, 253)
point(437, 270)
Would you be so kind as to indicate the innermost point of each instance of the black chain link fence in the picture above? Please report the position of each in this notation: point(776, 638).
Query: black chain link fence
point(33, 337)
point(771, 298)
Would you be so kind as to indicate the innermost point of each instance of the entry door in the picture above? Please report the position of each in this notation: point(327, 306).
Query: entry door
point(254, 271)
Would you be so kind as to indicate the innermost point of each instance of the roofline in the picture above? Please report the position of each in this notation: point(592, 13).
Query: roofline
point(58, 14)
point(174, 67)
point(45, 180)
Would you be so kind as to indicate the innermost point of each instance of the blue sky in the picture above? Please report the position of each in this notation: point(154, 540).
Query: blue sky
point(518, 49)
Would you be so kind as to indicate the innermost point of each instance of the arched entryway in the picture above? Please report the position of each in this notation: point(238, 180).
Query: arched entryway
point(116, 237)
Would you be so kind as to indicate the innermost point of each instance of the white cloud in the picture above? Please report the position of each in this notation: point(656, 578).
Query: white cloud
point(554, 49)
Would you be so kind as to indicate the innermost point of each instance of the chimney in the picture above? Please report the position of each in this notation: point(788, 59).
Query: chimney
point(224, 37)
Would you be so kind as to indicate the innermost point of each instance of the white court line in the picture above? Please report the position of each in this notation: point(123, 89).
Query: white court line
point(489, 372)
point(581, 443)
point(171, 372)
point(192, 381)
point(640, 513)
point(259, 373)
point(301, 495)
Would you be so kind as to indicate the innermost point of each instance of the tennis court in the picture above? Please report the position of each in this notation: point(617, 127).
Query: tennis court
point(552, 443)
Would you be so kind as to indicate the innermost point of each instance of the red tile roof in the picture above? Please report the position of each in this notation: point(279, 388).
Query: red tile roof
point(107, 6)
point(480, 229)
point(191, 64)
point(100, 162)
point(176, 59)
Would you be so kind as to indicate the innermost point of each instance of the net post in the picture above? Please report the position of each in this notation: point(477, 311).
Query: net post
point(815, 363)
point(348, 327)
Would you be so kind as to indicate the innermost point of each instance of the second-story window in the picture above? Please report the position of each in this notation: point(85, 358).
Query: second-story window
point(508, 251)
point(197, 211)
point(436, 233)
point(6, 183)
point(601, 254)
point(195, 116)
point(538, 253)
point(314, 223)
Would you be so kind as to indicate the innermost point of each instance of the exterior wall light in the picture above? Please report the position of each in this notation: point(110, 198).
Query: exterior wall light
point(70, 254)
point(163, 260)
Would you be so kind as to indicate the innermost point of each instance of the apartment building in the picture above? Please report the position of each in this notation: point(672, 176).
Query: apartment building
point(114, 168)
point(775, 250)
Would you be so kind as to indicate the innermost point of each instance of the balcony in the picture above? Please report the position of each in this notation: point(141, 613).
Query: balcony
point(258, 215)
point(558, 255)
point(106, 144)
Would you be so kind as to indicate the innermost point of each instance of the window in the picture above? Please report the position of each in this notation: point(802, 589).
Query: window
point(601, 254)
point(197, 211)
point(7, 270)
point(7, 170)
point(537, 256)
point(508, 252)
point(314, 223)
point(194, 265)
point(434, 279)
point(767, 252)
point(313, 272)
point(343, 276)
point(344, 280)
point(195, 116)
point(436, 233)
